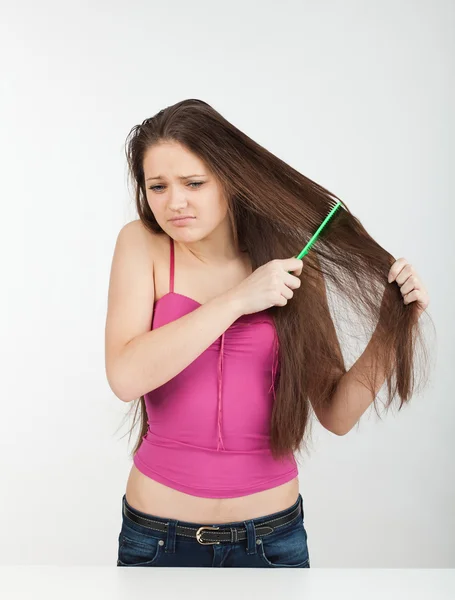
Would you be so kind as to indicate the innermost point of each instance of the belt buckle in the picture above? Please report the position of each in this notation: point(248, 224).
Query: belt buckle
point(199, 535)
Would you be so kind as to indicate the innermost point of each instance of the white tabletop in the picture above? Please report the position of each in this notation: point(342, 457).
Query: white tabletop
point(111, 582)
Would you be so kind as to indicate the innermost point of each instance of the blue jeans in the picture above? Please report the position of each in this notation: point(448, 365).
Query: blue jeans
point(286, 546)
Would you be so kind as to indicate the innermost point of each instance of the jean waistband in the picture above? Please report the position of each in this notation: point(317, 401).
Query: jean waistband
point(217, 532)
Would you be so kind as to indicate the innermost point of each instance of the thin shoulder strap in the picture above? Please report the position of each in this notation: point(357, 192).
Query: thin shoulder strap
point(171, 270)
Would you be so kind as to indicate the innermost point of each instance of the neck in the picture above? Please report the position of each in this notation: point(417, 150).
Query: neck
point(216, 249)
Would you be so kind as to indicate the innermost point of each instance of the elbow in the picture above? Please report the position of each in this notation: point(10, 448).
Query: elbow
point(339, 432)
point(336, 428)
point(332, 421)
point(117, 385)
point(122, 381)
point(340, 429)
point(124, 397)
point(121, 393)
point(123, 389)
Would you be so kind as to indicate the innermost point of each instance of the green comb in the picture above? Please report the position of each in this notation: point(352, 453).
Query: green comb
point(318, 231)
point(315, 236)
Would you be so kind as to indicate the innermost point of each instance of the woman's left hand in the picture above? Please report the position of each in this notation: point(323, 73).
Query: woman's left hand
point(411, 287)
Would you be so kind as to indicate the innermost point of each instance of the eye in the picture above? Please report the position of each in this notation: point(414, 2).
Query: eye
point(196, 183)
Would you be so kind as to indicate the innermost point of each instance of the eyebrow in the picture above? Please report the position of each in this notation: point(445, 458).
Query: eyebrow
point(180, 177)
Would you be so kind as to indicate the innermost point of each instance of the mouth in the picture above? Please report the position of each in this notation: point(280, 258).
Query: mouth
point(181, 219)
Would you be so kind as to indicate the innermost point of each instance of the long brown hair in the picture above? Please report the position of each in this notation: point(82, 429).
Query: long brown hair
point(274, 210)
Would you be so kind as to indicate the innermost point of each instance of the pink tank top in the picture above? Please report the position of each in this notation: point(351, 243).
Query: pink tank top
point(208, 427)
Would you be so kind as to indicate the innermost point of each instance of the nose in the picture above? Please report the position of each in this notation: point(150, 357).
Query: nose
point(177, 199)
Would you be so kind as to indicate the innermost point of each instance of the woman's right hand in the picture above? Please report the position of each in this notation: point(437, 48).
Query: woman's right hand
point(269, 285)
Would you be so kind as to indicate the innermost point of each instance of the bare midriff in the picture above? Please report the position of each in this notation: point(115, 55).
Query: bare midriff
point(151, 497)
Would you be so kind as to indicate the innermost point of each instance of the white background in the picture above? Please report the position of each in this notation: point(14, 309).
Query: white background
point(355, 95)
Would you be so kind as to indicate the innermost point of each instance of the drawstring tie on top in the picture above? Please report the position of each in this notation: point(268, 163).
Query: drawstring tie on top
point(220, 378)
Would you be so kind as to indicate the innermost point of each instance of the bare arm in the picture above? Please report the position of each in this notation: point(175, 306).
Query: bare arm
point(153, 358)
point(139, 360)
point(351, 397)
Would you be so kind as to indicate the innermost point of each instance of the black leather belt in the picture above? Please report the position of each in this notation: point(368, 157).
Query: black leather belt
point(205, 534)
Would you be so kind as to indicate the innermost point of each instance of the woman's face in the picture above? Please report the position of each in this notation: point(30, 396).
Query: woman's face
point(178, 184)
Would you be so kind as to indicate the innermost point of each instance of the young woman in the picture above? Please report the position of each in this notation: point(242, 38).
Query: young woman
point(227, 341)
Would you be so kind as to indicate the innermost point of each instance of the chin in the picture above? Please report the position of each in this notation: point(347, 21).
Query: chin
point(184, 234)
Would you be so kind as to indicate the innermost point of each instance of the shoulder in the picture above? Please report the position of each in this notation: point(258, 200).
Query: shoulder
point(139, 238)
point(136, 231)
